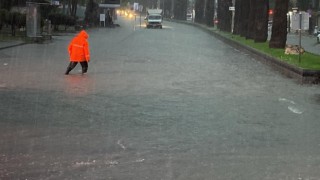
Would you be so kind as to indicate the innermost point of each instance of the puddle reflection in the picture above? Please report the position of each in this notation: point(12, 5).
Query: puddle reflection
point(79, 85)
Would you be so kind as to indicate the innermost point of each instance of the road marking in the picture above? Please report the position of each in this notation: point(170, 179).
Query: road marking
point(286, 100)
point(295, 110)
point(78, 164)
point(139, 160)
point(290, 107)
point(112, 163)
point(5, 64)
point(121, 145)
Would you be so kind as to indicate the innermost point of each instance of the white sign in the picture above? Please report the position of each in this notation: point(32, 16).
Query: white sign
point(136, 6)
point(102, 17)
point(231, 8)
point(140, 8)
point(295, 20)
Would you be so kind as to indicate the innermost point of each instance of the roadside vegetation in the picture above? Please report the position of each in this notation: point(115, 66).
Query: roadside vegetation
point(13, 19)
point(307, 61)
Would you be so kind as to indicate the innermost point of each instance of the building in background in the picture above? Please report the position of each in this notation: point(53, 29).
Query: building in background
point(108, 9)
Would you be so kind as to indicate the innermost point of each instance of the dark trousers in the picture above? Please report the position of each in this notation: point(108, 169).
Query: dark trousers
point(84, 65)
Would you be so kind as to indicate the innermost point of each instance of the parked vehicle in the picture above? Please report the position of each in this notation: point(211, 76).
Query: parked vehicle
point(154, 18)
point(189, 17)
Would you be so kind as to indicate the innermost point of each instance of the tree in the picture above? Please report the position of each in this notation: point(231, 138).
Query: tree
point(279, 27)
point(224, 15)
point(63, 2)
point(3, 14)
point(5, 4)
point(91, 13)
point(209, 13)
point(251, 20)
point(180, 9)
point(166, 6)
point(261, 21)
point(16, 19)
point(237, 17)
point(72, 4)
point(199, 7)
point(244, 18)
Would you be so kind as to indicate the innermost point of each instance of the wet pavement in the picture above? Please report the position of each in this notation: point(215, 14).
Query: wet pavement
point(171, 103)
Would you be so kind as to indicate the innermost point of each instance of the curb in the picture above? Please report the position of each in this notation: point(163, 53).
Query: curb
point(10, 46)
point(303, 76)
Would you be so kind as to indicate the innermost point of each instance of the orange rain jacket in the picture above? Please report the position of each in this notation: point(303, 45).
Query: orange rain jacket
point(79, 48)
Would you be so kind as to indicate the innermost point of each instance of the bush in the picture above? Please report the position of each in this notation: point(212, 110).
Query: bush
point(58, 19)
point(20, 20)
point(3, 15)
point(70, 21)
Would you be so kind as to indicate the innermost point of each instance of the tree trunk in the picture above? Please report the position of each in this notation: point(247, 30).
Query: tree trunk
point(279, 27)
point(237, 17)
point(64, 6)
point(180, 10)
point(261, 21)
point(199, 7)
point(251, 21)
point(74, 8)
point(209, 12)
point(228, 18)
point(220, 14)
point(13, 25)
point(224, 15)
point(244, 17)
point(69, 7)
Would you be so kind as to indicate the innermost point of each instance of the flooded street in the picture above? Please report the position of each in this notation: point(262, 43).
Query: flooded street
point(172, 104)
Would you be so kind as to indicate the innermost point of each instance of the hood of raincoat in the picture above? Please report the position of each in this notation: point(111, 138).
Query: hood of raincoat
point(83, 34)
point(79, 48)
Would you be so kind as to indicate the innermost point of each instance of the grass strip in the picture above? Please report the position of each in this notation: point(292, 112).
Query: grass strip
point(308, 60)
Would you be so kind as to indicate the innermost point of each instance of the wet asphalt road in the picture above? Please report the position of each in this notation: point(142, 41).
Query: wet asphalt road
point(172, 104)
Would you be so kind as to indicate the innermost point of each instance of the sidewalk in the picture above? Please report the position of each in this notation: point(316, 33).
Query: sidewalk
point(12, 43)
point(308, 42)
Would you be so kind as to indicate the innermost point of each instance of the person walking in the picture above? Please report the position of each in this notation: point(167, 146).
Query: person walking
point(79, 52)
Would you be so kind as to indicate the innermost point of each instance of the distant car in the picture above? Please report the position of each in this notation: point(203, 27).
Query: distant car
point(154, 18)
point(189, 17)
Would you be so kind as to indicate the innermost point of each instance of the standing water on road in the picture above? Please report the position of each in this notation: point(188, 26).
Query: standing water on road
point(171, 103)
